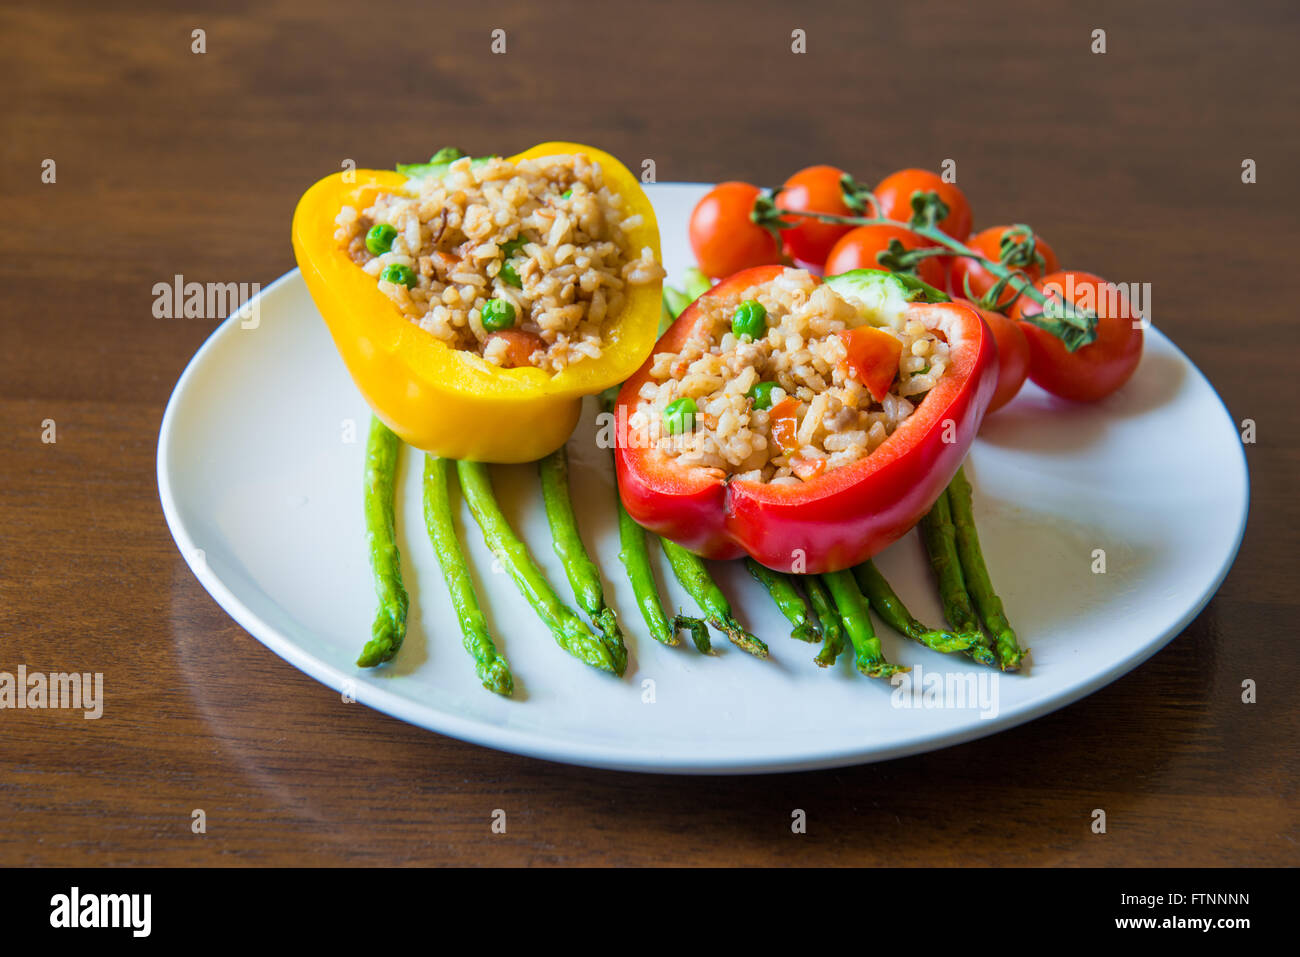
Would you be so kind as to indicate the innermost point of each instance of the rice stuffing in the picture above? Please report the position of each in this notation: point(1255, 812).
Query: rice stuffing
point(521, 263)
point(803, 357)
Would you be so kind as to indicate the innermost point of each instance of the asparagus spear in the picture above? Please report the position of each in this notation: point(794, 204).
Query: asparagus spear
point(940, 539)
point(856, 615)
point(698, 630)
point(584, 576)
point(828, 618)
point(389, 628)
point(569, 631)
point(788, 598)
point(492, 668)
point(699, 584)
point(891, 608)
point(634, 552)
point(977, 574)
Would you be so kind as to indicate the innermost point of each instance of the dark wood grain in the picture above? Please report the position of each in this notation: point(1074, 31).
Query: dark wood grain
point(171, 162)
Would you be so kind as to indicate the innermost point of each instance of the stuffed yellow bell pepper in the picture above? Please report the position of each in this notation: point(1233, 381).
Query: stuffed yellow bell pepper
point(452, 401)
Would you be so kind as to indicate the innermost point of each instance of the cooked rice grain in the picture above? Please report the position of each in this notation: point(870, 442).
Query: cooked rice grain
point(838, 422)
point(574, 267)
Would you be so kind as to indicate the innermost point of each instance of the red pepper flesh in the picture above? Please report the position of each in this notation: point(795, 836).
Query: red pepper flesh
point(840, 517)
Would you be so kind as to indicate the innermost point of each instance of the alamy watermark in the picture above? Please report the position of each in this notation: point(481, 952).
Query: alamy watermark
point(179, 299)
point(1125, 300)
point(960, 690)
point(75, 909)
point(37, 690)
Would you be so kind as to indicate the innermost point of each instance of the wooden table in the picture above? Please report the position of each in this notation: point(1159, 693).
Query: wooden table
point(174, 162)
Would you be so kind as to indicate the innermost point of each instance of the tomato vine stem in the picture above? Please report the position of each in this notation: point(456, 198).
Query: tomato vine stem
point(1075, 327)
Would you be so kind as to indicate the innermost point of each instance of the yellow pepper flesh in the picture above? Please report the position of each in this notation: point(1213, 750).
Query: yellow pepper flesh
point(449, 401)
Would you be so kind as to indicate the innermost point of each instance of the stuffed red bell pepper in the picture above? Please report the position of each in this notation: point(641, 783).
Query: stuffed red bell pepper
point(807, 424)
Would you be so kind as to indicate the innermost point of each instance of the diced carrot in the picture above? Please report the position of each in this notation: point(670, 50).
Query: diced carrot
point(519, 346)
point(808, 468)
point(783, 422)
point(873, 356)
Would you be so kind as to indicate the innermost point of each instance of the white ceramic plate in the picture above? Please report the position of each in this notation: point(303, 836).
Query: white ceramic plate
point(260, 468)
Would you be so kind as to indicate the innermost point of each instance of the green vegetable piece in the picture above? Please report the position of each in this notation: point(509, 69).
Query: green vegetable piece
point(497, 315)
point(568, 630)
point(828, 617)
point(438, 164)
point(399, 275)
point(750, 319)
point(491, 666)
point(885, 602)
point(940, 538)
point(697, 284)
point(511, 278)
point(583, 575)
point(389, 628)
point(856, 617)
point(513, 247)
point(567, 194)
point(761, 393)
point(675, 301)
point(634, 553)
point(976, 574)
point(679, 415)
point(699, 584)
point(881, 296)
point(379, 238)
point(789, 600)
point(698, 630)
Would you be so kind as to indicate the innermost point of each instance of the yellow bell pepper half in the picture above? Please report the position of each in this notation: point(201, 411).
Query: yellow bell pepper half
point(448, 401)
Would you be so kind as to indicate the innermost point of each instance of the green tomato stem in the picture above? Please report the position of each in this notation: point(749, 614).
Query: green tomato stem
point(1075, 327)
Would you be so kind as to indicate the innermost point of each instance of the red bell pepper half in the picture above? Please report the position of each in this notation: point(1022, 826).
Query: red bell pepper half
point(835, 519)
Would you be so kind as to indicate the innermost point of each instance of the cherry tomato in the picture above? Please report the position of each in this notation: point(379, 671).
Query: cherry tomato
point(989, 243)
point(858, 249)
point(895, 195)
point(1013, 355)
point(816, 189)
point(1093, 371)
point(724, 238)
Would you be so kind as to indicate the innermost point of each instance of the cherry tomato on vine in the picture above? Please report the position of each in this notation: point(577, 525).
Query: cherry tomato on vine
point(1013, 355)
point(1093, 371)
point(895, 195)
point(858, 249)
point(989, 243)
point(817, 189)
point(724, 238)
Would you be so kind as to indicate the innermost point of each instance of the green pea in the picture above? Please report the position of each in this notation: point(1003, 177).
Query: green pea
point(567, 194)
point(750, 319)
point(679, 416)
point(511, 278)
point(399, 274)
point(380, 238)
point(497, 315)
point(761, 393)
